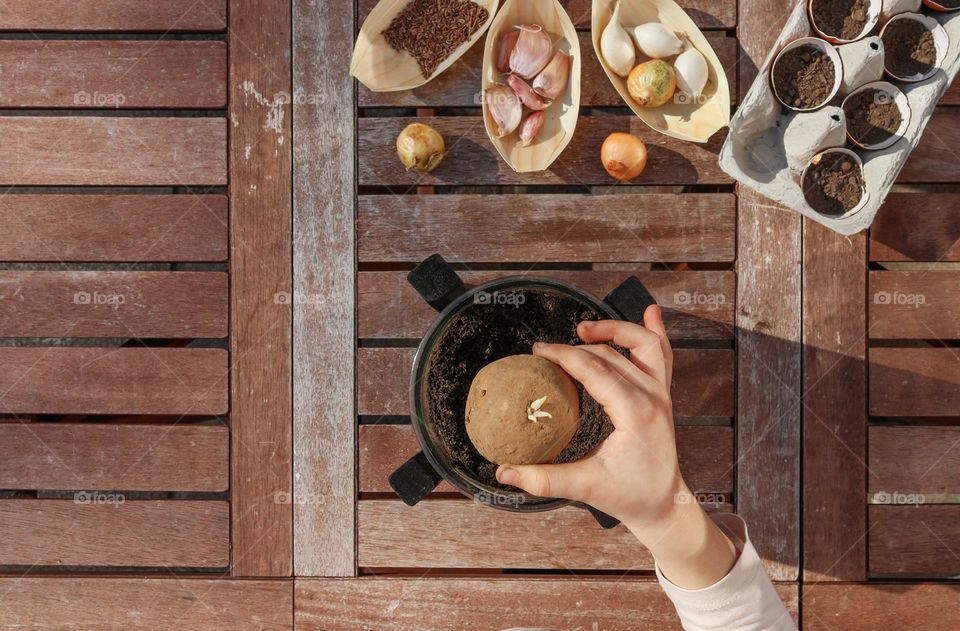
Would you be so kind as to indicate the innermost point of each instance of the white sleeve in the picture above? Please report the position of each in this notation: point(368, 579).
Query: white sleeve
point(743, 600)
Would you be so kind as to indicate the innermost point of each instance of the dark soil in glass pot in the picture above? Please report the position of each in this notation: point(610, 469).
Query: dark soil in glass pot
point(508, 325)
point(842, 19)
point(873, 117)
point(909, 48)
point(804, 77)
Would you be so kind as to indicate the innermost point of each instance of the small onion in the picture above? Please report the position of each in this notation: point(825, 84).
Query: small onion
point(420, 147)
point(652, 83)
point(624, 156)
point(656, 40)
point(692, 72)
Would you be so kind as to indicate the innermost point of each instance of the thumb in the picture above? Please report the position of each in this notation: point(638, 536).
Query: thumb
point(568, 481)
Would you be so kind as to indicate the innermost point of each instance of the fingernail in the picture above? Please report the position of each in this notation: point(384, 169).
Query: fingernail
point(506, 475)
point(587, 324)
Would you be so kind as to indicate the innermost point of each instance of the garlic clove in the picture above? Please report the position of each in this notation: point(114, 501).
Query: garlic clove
point(507, 43)
point(526, 94)
point(617, 47)
point(552, 82)
point(528, 132)
point(532, 51)
point(692, 72)
point(505, 108)
point(657, 41)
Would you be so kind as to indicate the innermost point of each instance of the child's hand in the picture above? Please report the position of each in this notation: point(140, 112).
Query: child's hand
point(633, 475)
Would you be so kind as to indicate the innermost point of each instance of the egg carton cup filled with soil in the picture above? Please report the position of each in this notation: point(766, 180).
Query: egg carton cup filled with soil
point(765, 135)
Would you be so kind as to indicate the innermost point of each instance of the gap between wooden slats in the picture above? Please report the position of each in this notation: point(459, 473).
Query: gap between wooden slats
point(74, 380)
point(697, 304)
point(96, 530)
point(101, 304)
point(128, 457)
point(113, 15)
point(114, 74)
point(128, 228)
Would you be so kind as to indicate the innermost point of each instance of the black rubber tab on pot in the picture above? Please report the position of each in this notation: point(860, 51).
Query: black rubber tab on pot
point(414, 479)
point(606, 521)
point(630, 299)
point(436, 282)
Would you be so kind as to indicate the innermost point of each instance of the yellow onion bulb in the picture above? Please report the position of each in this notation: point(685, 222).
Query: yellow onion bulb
point(652, 83)
point(624, 156)
point(420, 147)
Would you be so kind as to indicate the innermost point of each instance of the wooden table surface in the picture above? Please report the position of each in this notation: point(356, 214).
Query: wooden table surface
point(206, 335)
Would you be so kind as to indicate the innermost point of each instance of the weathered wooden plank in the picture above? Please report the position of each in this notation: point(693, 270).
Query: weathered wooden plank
point(696, 305)
point(903, 232)
point(103, 529)
point(835, 405)
point(934, 159)
point(113, 15)
point(705, 13)
point(914, 382)
point(93, 150)
point(325, 284)
point(910, 459)
point(702, 385)
point(458, 87)
point(769, 377)
point(161, 228)
point(463, 534)
point(74, 380)
point(472, 160)
point(914, 539)
point(914, 304)
point(260, 310)
point(113, 304)
point(130, 457)
point(113, 74)
point(547, 228)
point(434, 604)
point(118, 604)
point(866, 607)
point(706, 457)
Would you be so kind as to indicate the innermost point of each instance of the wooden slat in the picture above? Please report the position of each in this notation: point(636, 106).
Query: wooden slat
point(261, 286)
point(465, 535)
point(112, 15)
point(911, 227)
point(113, 304)
point(702, 386)
point(133, 228)
point(867, 607)
point(697, 305)
point(471, 159)
point(935, 158)
point(135, 533)
point(325, 280)
point(914, 382)
point(705, 13)
point(128, 457)
point(55, 380)
point(119, 604)
point(706, 457)
point(917, 305)
point(93, 150)
point(835, 404)
point(434, 604)
point(914, 460)
point(915, 539)
point(113, 74)
point(547, 228)
point(458, 87)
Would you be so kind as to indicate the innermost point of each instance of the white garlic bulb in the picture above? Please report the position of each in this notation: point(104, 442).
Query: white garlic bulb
point(692, 72)
point(617, 47)
point(656, 40)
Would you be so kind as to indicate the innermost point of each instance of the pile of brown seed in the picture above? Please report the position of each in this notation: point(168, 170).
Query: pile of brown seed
point(431, 30)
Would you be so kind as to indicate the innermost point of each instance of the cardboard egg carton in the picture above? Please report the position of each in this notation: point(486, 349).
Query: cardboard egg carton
point(768, 144)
